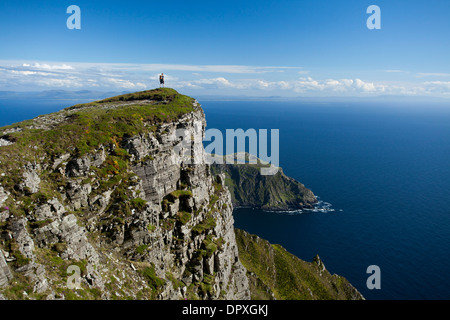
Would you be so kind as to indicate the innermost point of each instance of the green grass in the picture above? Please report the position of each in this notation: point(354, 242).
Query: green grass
point(141, 249)
point(205, 225)
point(175, 282)
point(87, 126)
point(174, 195)
point(39, 224)
point(276, 192)
point(210, 246)
point(206, 286)
point(167, 224)
point(183, 217)
point(181, 193)
point(273, 269)
point(81, 130)
point(150, 275)
point(159, 94)
point(138, 204)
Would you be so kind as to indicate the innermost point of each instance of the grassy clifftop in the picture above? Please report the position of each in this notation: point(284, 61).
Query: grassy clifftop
point(275, 273)
point(81, 129)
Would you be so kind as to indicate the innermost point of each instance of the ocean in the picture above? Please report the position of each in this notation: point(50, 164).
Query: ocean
point(383, 167)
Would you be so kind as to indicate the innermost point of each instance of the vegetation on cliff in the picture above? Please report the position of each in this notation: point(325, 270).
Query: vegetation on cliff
point(82, 128)
point(275, 273)
point(99, 186)
point(249, 188)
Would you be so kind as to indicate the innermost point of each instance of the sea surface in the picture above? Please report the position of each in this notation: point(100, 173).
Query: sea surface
point(383, 167)
point(385, 170)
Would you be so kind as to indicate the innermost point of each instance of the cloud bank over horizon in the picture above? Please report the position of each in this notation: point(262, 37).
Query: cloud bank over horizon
point(227, 80)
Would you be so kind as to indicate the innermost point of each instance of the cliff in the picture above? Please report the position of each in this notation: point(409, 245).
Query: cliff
point(274, 273)
point(101, 201)
point(277, 192)
point(103, 187)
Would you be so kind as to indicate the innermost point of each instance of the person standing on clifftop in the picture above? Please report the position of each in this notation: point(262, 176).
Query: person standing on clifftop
point(161, 80)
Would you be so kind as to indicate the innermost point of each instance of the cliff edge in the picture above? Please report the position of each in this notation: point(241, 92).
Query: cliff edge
point(276, 274)
point(249, 188)
point(102, 188)
point(101, 201)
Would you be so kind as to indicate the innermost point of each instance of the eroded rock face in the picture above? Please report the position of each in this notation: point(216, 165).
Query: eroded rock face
point(160, 227)
point(5, 273)
point(31, 178)
point(22, 237)
point(268, 192)
point(165, 171)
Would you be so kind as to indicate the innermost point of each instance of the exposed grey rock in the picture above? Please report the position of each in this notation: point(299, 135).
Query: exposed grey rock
point(319, 263)
point(78, 167)
point(31, 177)
point(162, 174)
point(78, 194)
point(78, 247)
point(52, 209)
point(141, 146)
point(86, 223)
point(4, 142)
point(5, 273)
point(36, 275)
point(60, 160)
point(22, 237)
point(99, 157)
point(101, 201)
point(4, 215)
point(3, 196)
point(12, 130)
point(67, 231)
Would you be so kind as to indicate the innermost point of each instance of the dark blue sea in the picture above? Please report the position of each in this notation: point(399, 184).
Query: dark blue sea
point(384, 167)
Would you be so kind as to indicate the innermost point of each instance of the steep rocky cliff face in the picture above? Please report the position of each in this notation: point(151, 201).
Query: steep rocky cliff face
point(275, 273)
point(278, 192)
point(108, 189)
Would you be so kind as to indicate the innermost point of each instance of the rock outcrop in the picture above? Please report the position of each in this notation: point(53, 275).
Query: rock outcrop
point(249, 188)
point(122, 204)
point(106, 200)
point(5, 273)
point(275, 274)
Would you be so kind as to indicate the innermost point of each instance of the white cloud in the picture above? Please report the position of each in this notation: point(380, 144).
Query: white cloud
point(301, 85)
point(26, 73)
point(365, 86)
point(395, 71)
point(231, 69)
point(126, 84)
point(439, 83)
point(215, 79)
point(433, 74)
point(440, 87)
point(49, 67)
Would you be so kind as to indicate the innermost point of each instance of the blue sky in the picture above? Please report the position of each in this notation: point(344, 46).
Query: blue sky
point(287, 48)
